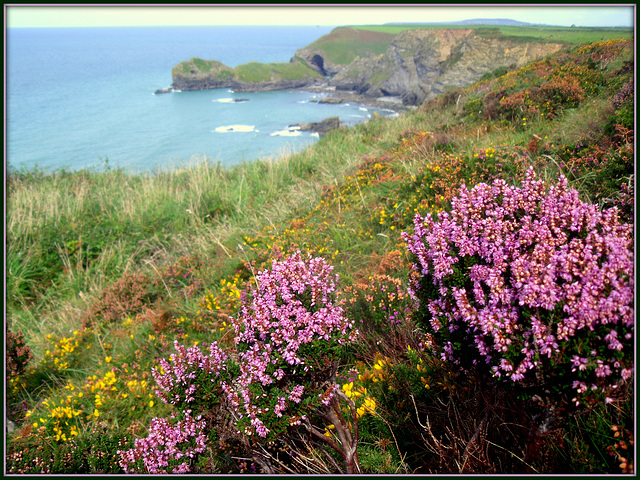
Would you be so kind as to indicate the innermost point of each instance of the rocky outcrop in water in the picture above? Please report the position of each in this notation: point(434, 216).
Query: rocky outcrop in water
point(321, 128)
point(199, 74)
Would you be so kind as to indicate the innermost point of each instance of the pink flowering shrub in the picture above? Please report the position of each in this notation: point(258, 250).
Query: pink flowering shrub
point(280, 378)
point(288, 336)
point(188, 380)
point(168, 448)
point(531, 282)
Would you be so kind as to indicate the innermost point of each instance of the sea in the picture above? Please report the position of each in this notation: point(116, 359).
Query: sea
point(84, 98)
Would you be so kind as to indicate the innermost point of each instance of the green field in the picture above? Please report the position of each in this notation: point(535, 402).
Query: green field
point(569, 35)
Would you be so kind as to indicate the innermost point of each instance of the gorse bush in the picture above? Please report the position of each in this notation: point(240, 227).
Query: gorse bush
point(533, 283)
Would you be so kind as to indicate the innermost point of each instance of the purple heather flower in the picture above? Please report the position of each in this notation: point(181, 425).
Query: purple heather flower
point(165, 443)
point(292, 306)
point(546, 270)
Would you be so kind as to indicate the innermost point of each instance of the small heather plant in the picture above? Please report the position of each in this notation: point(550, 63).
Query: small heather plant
point(280, 379)
point(531, 282)
point(168, 448)
point(18, 354)
point(288, 336)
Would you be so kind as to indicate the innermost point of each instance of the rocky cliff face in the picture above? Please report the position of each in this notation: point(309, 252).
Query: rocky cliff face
point(416, 66)
point(419, 64)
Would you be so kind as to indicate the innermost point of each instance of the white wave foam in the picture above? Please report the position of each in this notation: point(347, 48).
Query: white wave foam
point(223, 100)
point(286, 133)
point(364, 109)
point(236, 128)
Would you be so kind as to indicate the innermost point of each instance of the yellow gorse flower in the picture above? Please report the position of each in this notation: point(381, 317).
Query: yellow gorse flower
point(369, 406)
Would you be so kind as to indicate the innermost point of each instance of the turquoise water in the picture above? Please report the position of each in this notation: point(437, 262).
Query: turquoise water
point(78, 96)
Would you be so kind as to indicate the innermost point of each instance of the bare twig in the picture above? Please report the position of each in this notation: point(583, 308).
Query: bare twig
point(473, 439)
point(513, 455)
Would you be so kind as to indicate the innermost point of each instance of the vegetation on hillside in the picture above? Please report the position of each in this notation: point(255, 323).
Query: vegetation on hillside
point(198, 65)
point(259, 72)
point(344, 44)
point(252, 72)
point(569, 35)
point(146, 313)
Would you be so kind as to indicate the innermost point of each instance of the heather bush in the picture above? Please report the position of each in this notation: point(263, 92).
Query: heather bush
point(623, 102)
point(532, 284)
point(288, 338)
point(181, 276)
point(18, 354)
point(124, 297)
point(603, 171)
point(17, 357)
point(280, 380)
point(168, 448)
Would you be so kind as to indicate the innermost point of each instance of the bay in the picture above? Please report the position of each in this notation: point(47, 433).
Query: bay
point(78, 96)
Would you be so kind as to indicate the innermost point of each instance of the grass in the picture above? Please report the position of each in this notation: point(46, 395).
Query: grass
point(569, 35)
point(203, 66)
point(106, 269)
point(259, 72)
point(344, 44)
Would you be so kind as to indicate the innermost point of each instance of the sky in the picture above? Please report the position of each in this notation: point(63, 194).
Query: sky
point(97, 15)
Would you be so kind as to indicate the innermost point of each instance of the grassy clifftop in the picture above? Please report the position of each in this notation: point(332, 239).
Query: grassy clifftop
point(106, 270)
point(259, 72)
point(344, 44)
point(196, 74)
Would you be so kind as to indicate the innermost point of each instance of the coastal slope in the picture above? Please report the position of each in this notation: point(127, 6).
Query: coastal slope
point(411, 66)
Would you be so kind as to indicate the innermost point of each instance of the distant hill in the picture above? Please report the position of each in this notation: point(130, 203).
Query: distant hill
point(475, 21)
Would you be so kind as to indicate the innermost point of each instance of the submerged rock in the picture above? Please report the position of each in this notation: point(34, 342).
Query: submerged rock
point(165, 90)
point(331, 100)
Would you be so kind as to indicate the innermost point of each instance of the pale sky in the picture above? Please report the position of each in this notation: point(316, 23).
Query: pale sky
point(20, 15)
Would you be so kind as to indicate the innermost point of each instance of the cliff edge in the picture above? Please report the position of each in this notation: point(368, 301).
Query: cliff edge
point(420, 64)
point(411, 66)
